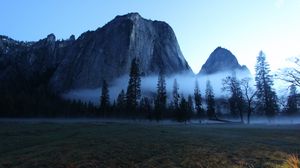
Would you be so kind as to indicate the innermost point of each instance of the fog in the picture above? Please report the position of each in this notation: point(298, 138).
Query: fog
point(186, 83)
point(281, 120)
point(255, 121)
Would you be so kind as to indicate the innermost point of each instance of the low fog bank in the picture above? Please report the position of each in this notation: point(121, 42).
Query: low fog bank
point(186, 83)
point(254, 122)
point(278, 120)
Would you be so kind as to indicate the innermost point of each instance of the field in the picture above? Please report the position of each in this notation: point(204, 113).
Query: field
point(120, 144)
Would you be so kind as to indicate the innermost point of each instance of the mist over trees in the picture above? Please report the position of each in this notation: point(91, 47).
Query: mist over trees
point(176, 96)
point(241, 99)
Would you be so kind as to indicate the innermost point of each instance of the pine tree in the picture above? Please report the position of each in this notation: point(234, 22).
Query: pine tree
point(161, 97)
point(210, 101)
point(121, 103)
point(133, 93)
point(190, 108)
point(264, 81)
point(181, 112)
point(146, 107)
point(184, 111)
point(104, 99)
point(176, 96)
point(198, 100)
point(292, 106)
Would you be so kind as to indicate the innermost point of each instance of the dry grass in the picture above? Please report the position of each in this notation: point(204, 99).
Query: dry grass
point(292, 162)
point(112, 145)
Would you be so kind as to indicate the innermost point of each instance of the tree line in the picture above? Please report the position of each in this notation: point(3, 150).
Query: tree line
point(244, 101)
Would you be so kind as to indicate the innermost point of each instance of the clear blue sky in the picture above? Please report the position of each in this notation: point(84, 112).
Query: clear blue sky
point(243, 26)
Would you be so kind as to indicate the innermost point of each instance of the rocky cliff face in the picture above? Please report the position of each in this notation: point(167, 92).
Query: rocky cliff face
point(24, 63)
point(105, 53)
point(221, 60)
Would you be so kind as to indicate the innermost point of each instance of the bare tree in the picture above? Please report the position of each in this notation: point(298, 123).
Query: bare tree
point(291, 75)
point(249, 95)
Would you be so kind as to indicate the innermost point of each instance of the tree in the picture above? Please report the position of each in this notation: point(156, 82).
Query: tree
point(291, 75)
point(249, 95)
point(210, 101)
point(133, 93)
point(121, 102)
point(182, 113)
point(198, 100)
point(146, 107)
point(190, 108)
point(104, 99)
point(176, 96)
point(292, 105)
point(236, 101)
point(161, 97)
point(264, 81)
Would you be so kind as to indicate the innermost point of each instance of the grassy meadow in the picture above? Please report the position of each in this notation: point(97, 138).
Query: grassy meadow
point(120, 144)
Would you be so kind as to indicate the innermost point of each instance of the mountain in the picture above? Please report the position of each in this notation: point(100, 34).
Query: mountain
point(222, 60)
point(105, 53)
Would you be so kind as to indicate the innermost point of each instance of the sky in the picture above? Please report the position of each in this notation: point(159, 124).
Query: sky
point(243, 26)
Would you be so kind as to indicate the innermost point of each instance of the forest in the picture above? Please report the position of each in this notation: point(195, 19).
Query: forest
point(34, 99)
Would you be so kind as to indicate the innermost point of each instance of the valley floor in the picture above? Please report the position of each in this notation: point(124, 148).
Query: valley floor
point(121, 144)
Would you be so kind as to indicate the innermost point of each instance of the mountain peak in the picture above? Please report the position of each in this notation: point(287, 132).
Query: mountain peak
point(134, 16)
point(51, 38)
point(220, 60)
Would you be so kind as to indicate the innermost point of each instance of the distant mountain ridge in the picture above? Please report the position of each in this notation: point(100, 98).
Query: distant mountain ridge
point(105, 53)
point(222, 60)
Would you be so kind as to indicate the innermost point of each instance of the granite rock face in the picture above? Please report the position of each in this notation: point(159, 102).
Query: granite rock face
point(105, 53)
point(22, 63)
point(222, 60)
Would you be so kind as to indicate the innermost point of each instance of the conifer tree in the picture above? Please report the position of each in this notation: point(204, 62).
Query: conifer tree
point(181, 112)
point(104, 99)
point(121, 103)
point(198, 100)
point(184, 112)
point(190, 108)
point(161, 97)
point(133, 93)
point(176, 96)
point(266, 95)
point(146, 107)
point(292, 106)
point(210, 101)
